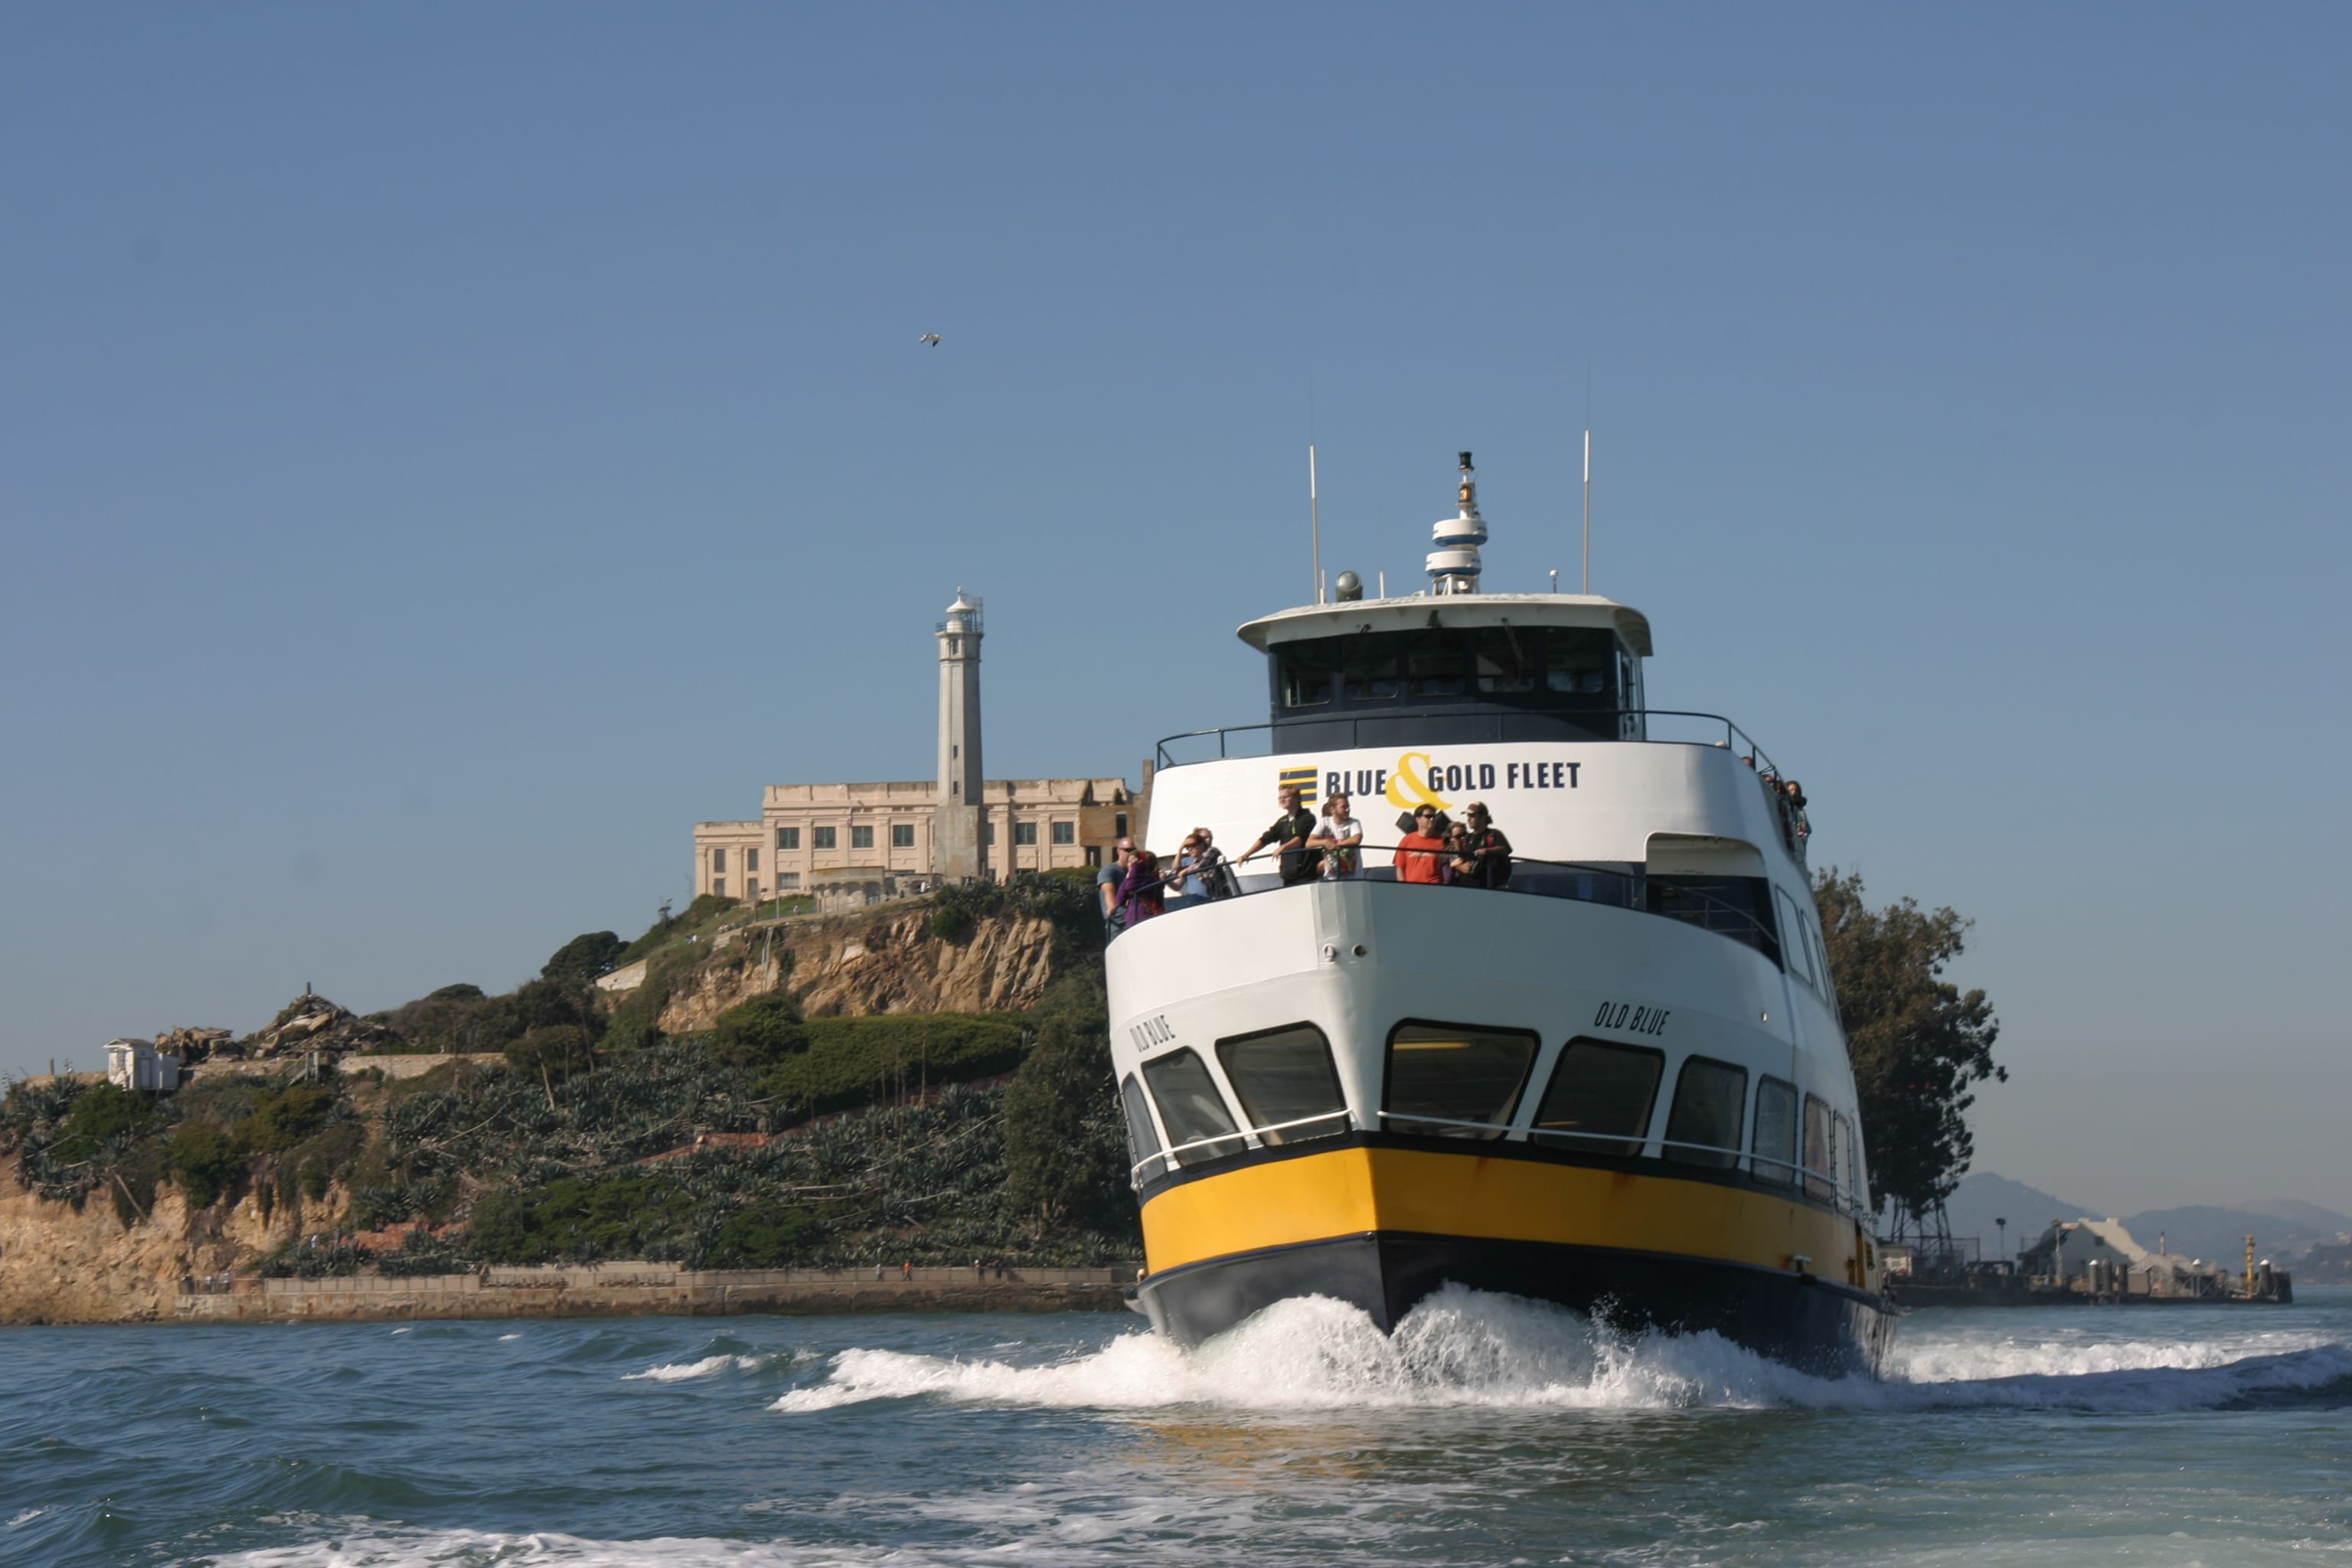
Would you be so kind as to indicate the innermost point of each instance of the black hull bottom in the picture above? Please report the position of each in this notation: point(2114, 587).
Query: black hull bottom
point(1810, 1323)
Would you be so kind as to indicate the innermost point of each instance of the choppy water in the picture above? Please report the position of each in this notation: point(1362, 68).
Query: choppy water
point(1487, 1431)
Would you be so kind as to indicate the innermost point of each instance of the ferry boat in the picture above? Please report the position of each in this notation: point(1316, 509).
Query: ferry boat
point(1616, 1083)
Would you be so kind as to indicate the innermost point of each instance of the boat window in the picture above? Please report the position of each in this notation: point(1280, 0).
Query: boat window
point(1776, 1132)
point(1304, 673)
point(1191, 1108)
point(1710, 1102)
point(1799, 958)
point(1436, 664)
point(1367, 669)
point(1821, 980)
point(1287, 1076)
point(1599, 1098)
point(1853, 1147)
point(1736, 906)
point(1142, 1142)
point(1821, 1159)
point(1456, 1073)
point(1578, 661)
point(1506, 660)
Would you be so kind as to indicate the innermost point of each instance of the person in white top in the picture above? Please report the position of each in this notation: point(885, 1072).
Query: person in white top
point(1340, 836)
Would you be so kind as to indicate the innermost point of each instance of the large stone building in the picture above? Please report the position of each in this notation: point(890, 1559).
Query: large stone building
point(867, 840)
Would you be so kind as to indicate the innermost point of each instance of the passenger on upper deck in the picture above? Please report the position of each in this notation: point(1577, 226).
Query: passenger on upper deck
point(1800, 827)
point(1289, 835)
point(1108, 882)
point(1421, 854)
point(1490, 852)
point(1340, 836)
point(1142, 895)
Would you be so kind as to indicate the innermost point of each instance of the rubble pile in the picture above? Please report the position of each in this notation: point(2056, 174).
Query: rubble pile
point(311, 1023)
point(194, 1045)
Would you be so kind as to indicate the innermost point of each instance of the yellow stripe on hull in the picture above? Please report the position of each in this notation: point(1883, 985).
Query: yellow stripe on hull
point(1283, 1202)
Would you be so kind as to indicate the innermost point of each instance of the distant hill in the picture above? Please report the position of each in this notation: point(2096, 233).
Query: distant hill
point(1983, 1196)
point(2219, 1235)
point(2282, 1227)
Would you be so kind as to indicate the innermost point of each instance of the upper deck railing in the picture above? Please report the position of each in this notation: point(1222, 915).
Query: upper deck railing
point(1618, 887)
point(1258, 740)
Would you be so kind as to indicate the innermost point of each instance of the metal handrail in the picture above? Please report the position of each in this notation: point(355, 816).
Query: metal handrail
point(1170, 1153)
point(1732, 733)
point(1771, 946)
point(1798, 1173)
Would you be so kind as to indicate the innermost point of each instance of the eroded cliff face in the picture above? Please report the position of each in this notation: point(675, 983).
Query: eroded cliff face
point(60, 1264)
point(873, 961)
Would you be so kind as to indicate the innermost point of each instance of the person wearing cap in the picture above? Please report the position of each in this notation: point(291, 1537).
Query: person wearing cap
point(1489, 851)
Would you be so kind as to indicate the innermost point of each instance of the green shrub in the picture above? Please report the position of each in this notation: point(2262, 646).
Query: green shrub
point(1064, 1145)
point(554, 1050)
point(571, 1220)
point(282, 1118)
point(855, 1061)
point(759, 1033)
point(98, 1118)
point(762, 1235)
point(207, 1161)
point(953, 922)
point(584, 957)
point(707, 905)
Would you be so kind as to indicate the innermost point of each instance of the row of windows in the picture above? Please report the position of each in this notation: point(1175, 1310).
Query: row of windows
point(902, 836)
point(1528, 666)
point(1450, 1082)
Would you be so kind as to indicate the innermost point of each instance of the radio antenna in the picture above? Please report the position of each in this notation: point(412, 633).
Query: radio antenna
point(1587, 512)
point(1315, 520)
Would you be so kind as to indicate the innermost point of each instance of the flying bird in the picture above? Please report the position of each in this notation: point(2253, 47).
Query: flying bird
point(931, 338)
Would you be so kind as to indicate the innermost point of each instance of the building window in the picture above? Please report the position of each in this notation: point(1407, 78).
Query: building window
point(751, 860)
point(1464, 1080)
point(902, 835)
point(1119, 826)
point(786, 880)
point(1093, 855)
point(1599, 1099)
point(825, 839)
point(1025, 833)
point(988, 833)
point(717, 886)
point(1066, 832)
point(718, 860)
point(788, 837)
point(861, 838)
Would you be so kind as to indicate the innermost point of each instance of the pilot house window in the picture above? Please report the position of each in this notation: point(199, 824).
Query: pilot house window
point(1455, 1073)
point(1285, 1076)
point(1599, 1099)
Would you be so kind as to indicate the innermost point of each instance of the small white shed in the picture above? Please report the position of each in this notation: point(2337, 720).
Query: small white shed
point(138, 1065)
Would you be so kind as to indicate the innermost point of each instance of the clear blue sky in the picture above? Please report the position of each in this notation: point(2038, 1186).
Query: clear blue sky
point(446, 451)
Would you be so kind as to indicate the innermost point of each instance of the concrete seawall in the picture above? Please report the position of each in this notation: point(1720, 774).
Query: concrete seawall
point(615, 1289)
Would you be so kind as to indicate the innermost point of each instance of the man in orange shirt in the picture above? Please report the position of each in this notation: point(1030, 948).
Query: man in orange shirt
point(1421, 854)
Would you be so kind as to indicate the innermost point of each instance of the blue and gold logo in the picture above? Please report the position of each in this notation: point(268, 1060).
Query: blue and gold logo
point(1304, 780)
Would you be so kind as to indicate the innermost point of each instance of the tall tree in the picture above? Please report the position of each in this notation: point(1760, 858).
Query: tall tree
point(1918, 1043)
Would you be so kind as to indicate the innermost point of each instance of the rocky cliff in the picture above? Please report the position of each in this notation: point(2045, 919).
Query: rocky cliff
point(872, 961)
point(60, 1264)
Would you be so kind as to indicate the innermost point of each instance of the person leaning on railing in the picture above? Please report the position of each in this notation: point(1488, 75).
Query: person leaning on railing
point(1490, 852)
point(1421, 854)
point(1289, 835)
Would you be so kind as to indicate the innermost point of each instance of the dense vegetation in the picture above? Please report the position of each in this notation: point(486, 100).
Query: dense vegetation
point(771, 1140)
point(1918, 1042)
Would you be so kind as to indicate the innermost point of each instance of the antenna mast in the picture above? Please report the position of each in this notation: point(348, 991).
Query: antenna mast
point(1315, 520)
point(1588, 510)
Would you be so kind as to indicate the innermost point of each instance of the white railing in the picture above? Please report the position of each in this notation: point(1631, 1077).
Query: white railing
point(1799, 1175)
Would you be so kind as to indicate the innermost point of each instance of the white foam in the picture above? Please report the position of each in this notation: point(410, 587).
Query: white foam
point(679, 1371)
point(393, 1548)
point(26, 1517)
point(1462, 1348)
point(504, 1338)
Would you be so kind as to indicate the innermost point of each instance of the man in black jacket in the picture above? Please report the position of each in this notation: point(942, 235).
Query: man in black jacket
point(1488, 848)
point(1289, 835)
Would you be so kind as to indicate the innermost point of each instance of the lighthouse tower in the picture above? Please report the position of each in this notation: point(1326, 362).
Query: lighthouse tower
point(957, 851)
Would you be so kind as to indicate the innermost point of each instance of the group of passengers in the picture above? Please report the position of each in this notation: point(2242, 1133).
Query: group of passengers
point(1436, 850)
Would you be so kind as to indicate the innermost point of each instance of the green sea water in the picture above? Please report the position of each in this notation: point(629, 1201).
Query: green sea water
point(1488, 1430)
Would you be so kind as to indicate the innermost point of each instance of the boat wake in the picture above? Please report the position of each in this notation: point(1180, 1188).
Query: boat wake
point(1465, 1347)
